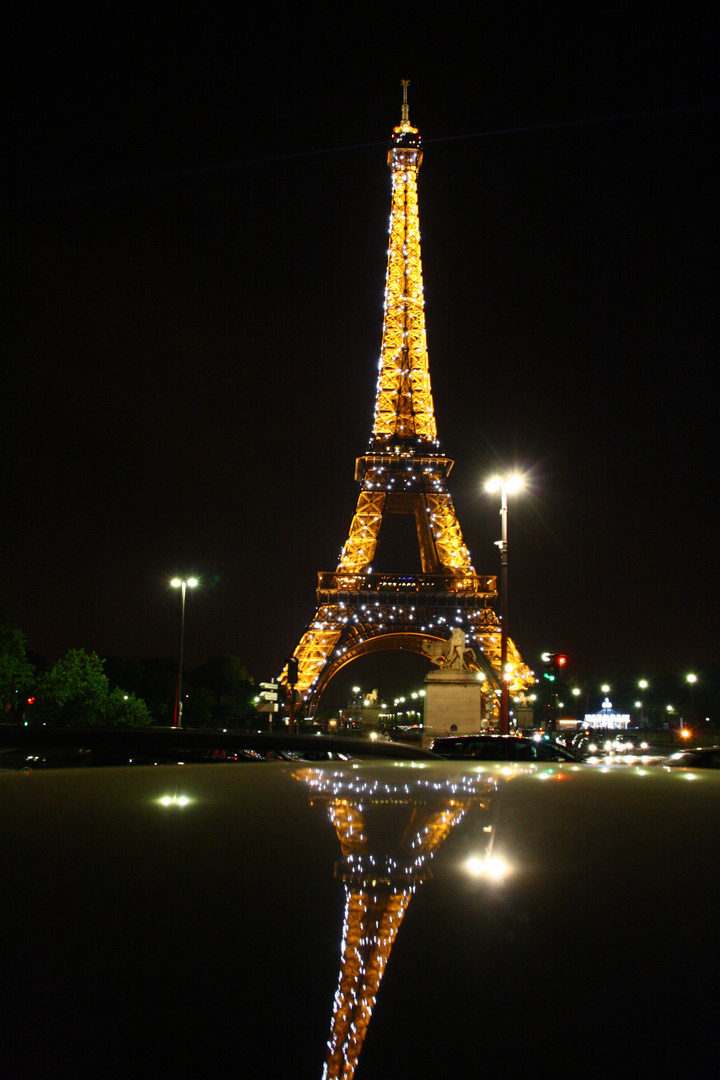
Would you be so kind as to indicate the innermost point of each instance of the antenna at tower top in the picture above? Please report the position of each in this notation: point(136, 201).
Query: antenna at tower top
point(405, 107)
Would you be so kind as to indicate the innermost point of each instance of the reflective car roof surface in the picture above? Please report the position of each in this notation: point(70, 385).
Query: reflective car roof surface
point(365, 918)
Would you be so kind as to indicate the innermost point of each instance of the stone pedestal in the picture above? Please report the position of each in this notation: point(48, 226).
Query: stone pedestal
point(453, 704)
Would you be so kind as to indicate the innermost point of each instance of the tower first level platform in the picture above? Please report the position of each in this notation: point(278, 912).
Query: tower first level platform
point(362, 613)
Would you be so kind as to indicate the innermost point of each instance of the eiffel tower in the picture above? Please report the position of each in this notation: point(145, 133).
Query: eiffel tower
point(403, 472)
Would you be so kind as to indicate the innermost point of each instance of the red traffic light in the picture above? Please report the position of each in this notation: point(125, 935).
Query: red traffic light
point(560, 660)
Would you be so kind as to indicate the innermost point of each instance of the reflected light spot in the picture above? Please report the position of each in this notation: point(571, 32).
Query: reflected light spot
point(491, 867)
point(174, 800)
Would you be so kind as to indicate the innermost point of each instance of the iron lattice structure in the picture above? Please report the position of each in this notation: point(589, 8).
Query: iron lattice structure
point(403, 472)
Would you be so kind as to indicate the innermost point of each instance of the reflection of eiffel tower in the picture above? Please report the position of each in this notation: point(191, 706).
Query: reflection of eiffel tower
point(403, 472)
point(388, 832)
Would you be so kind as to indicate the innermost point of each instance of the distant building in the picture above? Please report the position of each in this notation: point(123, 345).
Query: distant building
point(606, 718)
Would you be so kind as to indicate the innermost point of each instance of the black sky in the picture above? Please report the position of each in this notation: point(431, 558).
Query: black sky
point(195, 237)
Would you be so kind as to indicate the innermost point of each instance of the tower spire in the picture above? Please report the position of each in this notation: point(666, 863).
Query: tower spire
point(405, 119)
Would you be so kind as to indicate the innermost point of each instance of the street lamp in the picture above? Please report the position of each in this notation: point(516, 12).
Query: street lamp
point(643, 684)
point(354, 706)
point(692, 679)
point(182, 584)
point(576, 692)
point(506, 485)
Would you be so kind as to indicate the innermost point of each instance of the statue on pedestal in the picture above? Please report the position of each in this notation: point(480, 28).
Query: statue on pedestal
point(453, 654)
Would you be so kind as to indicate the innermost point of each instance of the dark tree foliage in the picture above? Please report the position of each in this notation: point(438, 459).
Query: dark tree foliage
point(75, 692)
point(220, 693)
point(156, 686)
point(17, 674)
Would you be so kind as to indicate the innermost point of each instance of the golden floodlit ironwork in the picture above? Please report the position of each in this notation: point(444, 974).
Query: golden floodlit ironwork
point(403, 472)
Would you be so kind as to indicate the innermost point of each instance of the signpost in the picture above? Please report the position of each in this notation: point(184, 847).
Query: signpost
point(269, 697)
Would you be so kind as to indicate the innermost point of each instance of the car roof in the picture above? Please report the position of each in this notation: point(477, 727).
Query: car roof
point(194, 916)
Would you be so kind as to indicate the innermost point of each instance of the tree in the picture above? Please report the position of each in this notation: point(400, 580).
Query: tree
point(231, 687)
point(158, 681)
point(126, 709)
point(198, 707)
point(76, 692)
point(17, 674)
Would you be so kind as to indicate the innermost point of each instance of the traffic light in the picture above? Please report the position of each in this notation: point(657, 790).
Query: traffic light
point(554, 665)
point(293, 666)
point(269, 696)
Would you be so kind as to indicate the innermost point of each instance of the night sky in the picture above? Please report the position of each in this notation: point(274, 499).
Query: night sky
point(195, 238)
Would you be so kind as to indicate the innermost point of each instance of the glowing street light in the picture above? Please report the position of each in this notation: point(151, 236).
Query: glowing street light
point(643, 684)
point(506, 485)
point(181, 583)
point(692, 679)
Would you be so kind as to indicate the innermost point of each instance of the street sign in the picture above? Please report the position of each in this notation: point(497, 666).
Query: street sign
point(269, 696)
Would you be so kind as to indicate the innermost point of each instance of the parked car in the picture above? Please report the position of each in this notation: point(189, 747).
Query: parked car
point(499, 748)
point(631, 744)
point(399, 915)
point(701, 757)
point(608, 744)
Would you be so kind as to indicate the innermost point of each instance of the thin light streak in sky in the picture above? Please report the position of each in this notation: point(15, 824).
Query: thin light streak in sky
point(205, 170)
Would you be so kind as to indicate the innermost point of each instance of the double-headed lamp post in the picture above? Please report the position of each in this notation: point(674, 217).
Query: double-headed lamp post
point(506, 485)
point(181, 583)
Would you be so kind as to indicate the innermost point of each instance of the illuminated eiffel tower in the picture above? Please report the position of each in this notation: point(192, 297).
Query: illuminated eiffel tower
point(403, 472)
point(380, 878)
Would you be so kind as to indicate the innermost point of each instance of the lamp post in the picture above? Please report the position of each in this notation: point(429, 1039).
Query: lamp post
point(505, 486)
point(576, 692)
point(355, 704)
point(692, 679)
point(643, 684)
point(182, 584)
